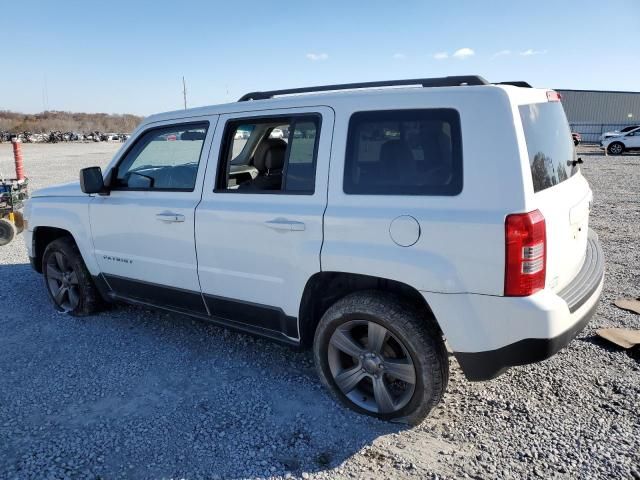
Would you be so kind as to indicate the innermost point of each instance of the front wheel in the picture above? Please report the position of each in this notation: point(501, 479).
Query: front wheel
point(616, 148)
point(381, 357)
point(67, 279)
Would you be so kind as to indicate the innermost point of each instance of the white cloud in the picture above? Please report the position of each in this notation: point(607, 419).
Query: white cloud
point(531, 51)
point(399, 56)
point(317, 56)
point(463, 53)
point(440, 55)
point(501, 53)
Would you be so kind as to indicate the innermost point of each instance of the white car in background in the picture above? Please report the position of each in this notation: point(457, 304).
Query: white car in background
point(617, 133)
point(621, 143)
point(276, 133)
point(241, 135)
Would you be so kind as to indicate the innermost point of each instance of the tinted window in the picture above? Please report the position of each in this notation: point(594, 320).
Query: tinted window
point(269, 155)
point(404, 152)
point(301, 172)
point(163, 158)
point(549, 143)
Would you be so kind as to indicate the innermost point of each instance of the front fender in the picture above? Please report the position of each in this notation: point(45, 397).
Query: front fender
point(65, 213)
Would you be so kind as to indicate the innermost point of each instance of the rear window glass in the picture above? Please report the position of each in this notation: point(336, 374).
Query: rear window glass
point(549, 143)
point(404, 152)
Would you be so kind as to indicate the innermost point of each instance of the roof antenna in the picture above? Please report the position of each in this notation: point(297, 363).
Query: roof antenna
point(184, 92)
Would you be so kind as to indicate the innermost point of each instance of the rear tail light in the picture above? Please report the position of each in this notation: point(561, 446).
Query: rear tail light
point(526, 254)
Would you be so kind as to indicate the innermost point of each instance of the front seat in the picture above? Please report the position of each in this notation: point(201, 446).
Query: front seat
point(269, 161)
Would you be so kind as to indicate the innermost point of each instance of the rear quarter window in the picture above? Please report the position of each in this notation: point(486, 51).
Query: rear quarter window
point(549, 144)
point(404, 152)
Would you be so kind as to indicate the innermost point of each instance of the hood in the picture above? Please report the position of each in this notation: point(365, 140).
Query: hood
point(613, 138)
point(71, 189)
point(611, 134)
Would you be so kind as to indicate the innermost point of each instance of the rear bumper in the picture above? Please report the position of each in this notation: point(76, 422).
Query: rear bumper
point(478, 366)
point(528, 329)
point(588, 279)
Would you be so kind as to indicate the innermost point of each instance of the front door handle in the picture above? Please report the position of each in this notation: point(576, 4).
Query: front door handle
point(282, 224)
point(170, 217)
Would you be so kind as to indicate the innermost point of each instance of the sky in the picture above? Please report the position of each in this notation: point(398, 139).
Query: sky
point(130, 56)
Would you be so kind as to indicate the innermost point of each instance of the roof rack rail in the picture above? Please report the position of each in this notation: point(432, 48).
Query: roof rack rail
point(516, 83)
point(425, 82)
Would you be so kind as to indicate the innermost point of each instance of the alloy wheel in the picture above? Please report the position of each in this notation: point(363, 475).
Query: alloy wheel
point(371, 366)
point(62, 282)
point(616, 148)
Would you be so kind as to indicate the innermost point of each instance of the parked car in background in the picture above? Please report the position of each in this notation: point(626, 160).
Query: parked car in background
point(622, 143)
point(617, 133)
point(277, 133)
point(358, 237)
point(577, 138)
point(241, 135)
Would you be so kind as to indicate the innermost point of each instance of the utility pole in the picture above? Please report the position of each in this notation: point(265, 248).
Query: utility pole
point(45, 95)
point(184, 92)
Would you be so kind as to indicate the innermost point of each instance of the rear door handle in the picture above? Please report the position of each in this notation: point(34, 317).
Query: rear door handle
point(282, 224)
point(170, 217)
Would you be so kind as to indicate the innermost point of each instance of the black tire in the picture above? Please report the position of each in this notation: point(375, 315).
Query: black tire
point(615, 148)
point(82, 297)
point(576, 143)
point(8, 231)
point(412, 337)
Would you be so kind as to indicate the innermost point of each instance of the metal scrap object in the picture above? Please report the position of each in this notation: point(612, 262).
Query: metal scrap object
point(623, 337)
point(631, 304)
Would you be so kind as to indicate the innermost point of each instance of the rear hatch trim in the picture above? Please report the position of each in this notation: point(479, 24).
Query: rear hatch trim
point(586, 282)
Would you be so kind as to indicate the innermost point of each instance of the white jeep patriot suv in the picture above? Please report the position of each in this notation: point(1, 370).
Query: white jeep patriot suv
point(371, 224)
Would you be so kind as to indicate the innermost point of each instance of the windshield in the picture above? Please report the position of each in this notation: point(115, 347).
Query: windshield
point(549, 143)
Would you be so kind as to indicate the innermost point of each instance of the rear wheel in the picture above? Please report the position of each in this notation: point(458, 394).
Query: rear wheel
point(67, 279)
point(616, 148)
point(8, 231)
point(381, 357)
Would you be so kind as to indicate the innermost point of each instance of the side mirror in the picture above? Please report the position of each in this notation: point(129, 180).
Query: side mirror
point(91, 180)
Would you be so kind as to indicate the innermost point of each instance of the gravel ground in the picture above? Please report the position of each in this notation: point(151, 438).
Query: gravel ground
point(136, 393)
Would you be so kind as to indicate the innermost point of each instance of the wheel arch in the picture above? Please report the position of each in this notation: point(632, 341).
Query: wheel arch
point(617, 142)
point(323, 289)
point(43, 236)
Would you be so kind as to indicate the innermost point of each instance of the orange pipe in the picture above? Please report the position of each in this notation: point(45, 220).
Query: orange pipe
point(17, 157)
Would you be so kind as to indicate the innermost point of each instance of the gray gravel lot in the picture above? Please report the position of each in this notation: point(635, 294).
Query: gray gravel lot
point(137, 393)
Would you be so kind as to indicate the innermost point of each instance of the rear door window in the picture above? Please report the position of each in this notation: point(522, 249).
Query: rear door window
point(270, 155)
point(300, 175)
point(404, 152)
point(549, 143)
